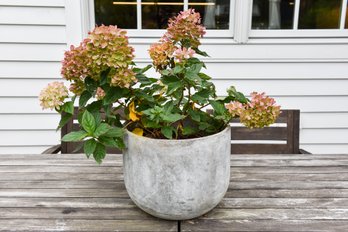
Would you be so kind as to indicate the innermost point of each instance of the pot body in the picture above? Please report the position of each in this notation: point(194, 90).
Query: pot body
point(177, 179)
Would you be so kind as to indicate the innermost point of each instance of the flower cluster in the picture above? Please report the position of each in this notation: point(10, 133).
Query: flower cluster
point(105, 48)
point(161, 53)
point(261, 111)
point(181, 54)
point(123, 78)
point(53, 95)
point(179, 42)
point(186, 27)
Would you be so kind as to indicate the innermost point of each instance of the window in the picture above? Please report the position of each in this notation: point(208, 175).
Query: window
point(299, 18)
point(253, 18)
point(148, 17)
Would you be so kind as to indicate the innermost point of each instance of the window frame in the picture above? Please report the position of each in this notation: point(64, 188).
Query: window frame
point(302, 33)
point(154, 33)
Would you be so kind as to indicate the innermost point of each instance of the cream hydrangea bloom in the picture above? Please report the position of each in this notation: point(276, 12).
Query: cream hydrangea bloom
point(53, 95)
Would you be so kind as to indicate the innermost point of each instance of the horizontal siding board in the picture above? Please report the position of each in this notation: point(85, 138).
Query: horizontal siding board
point(324, 120)
point(50, 3)
point(32, 34)
point(28, 138)
point(271, 87)
point(13, 150)
point(324, 136)
point(307, 104)
point(286, 87)
point(32, 15)
point(30, 69)
point(266, 52)
point(326, 148)
point(32, 52)
point(29, 121)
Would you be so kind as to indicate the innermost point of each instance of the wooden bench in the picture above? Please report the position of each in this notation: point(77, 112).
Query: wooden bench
point(280, 138)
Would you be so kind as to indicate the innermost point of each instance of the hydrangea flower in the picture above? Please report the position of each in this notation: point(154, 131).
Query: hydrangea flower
point(123, 78)
point(53, 95)
point(106, 47)
point(181, 54)
point(161, 53)
point(100, 93)
point(186, 27)
point(261, 111)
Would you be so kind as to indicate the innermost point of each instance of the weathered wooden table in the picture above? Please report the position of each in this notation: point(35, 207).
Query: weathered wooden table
point(267, 193)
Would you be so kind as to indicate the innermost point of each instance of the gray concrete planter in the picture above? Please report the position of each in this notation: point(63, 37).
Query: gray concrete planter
point(177, 179)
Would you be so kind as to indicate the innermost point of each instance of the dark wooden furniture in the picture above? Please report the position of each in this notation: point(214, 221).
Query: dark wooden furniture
point(282, 137)
point(267, 193)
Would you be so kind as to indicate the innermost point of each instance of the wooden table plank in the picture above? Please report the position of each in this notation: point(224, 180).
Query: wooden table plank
point(281, 193)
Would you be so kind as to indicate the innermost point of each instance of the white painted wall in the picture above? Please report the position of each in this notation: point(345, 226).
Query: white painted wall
point(306, 74)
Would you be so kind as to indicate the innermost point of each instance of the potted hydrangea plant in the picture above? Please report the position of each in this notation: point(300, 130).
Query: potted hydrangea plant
point(176, 154)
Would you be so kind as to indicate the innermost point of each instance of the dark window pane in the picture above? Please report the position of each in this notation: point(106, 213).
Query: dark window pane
point(122, 14)
point(319, 14)
point(155, 13)
point(215, 13)
point(273, 14)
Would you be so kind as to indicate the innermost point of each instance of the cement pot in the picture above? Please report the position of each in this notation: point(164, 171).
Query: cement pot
point(177, 179)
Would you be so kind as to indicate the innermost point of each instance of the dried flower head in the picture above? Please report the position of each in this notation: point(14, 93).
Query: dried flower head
point(100, 93)
point(181, 54)
point(261, 111)
point(186, 27)
point(53, 95)
point(161, 53)
point(123, 78)
point(106, 47)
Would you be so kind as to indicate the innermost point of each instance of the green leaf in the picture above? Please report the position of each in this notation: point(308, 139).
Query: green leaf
point(172, 117)
point(120, 143)
point(178, 69)
point(65, 118)
point(99, 153)
point(107, 141)
point(199, 52)
point(196, 68)
point(104, 77)
point(85, 96)
point(101, 129)
point(114, 132)
point(94, 106)
point(174, 86)
point(89, 147)
point(68, 107)
point(201, 96)
point(194, 115)
point(75, 136)
point(90, 84)
point(218, 107)
point(167, 131)
point(204, 76)
point(187, 130)
point(88, 122)
point(114, 94)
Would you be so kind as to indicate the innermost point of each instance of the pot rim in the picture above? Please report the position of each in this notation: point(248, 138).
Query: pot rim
point(228, 127)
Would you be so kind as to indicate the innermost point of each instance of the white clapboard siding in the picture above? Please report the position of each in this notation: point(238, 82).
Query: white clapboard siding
point(32, 34)
point(307, 74)
point(29, 121)
point(29, 69)
point(326, 148)
point(32, 15)
point(31, 52)
point(270, 52)
point(29, 137)
point(19, 150)
point(33, 39)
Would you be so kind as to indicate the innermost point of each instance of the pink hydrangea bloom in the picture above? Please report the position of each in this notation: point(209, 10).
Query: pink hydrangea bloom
point(161, 53)
point(235, 108)
point(183, 53)
point(106, 47)
point(261, 111)
point(186, 27)
point(100, 94)
point(53, 95)
point(123, 78)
